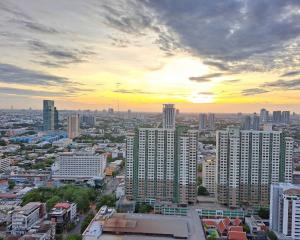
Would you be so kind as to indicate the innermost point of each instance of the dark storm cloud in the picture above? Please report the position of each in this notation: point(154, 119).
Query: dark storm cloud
point(284, 84)
point(253, 91)
point(13, 74)
point(290, 74)
point(205, 78)
point(231, 30)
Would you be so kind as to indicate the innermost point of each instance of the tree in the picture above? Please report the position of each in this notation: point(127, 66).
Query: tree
point(199, 181)
point(11, 184)
point(246, 228)
point(297, 168)
point(144, 208)
point(52, 201)
point(264, 213)
point(109, 200)
point(199, 168)
point(272, 235)
point(74, 237)
point(86, 222)
point(202, 191)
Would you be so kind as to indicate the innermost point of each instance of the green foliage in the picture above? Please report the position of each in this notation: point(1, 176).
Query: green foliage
point(2, 143)
point(202, 191)
point(11, 184)
point(52, 201)
point(80, 195)
point(264, 213)
point(109, 200)
point(70, 226)
point(271, 235)
point(297, 168)
point(199, 181)
point(144, 208)
point(246, 228)
point(199, 168)
point(74, 237)
point(86, 222)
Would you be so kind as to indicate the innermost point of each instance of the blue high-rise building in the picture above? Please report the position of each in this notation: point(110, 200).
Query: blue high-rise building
point(50, 116)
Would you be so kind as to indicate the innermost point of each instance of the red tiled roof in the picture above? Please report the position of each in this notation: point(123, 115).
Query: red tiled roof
point(227, 222)
point(237, 222)
point(236, 229)
point(233, 235)
point(221, 227)
point(64, 205)
point(209, 222)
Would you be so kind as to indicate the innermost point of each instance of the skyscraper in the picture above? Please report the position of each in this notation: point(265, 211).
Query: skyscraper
point(169, 116)
point(255, 122)
point(211, 121)
point(202, 121)
point(276, 116)
point(264, 115)
point(285, 210)
point(285, 117)
point(247, 123)
point(248, 162)
point(161, 164)
point(73, 126)
point(50, 115)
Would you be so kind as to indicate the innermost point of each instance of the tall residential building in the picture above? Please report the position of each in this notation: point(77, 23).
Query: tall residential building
point(248, 162)
point(276, 116)
point(73, 126)
point(285, 210)
point(50, 116)
point(88, 120)
point(202, 121)
point(211, 121)
point(255, 122)
point(161, 164)
point(209, 175)
point(79, 166)
point(169, 116)
point(264, 115)
point(285, 117)
point(247, 123)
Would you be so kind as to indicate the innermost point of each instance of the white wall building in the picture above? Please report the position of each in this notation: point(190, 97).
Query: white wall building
point(161, 164)
point(248, 162)
point(285, 210)
point(27, 217)
point(4, 164)
point(209, 175)
point(79, 165)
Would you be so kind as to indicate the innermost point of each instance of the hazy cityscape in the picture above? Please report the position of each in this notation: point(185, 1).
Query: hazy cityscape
point(147, 119)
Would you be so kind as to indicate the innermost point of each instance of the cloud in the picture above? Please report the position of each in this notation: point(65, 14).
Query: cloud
point(219, 65)
point(13, 74)
point(27, 92)
point(58, 56)
point(238, 32)
point(290, 74)
point(232, 81)
point(37, 27)
point(284, 84)
point(205, 93)
point(253, 91)
point(205, 78)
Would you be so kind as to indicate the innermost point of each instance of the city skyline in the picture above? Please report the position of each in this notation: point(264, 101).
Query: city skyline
point(203, 57)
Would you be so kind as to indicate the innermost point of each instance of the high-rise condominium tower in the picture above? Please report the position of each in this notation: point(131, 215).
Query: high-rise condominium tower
point(264, 115)
point(73, 126)
point(285, 117)
point(161, 165)
point(169, 116)
point(285, 210)
point(276, 116)
point(202, 121)
point(50, 115)
point(248, 162)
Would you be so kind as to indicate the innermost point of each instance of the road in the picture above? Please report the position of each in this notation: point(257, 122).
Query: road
point(195, 224)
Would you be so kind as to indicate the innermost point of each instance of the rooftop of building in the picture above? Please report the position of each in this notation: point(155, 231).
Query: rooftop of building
point(29, 208)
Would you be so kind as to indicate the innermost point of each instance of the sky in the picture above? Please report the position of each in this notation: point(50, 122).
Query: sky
point(203, 56)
